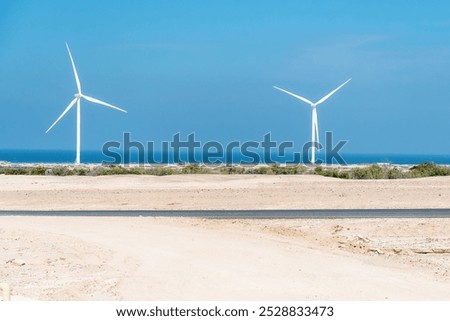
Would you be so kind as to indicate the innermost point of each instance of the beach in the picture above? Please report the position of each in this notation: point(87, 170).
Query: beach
point(161, 258)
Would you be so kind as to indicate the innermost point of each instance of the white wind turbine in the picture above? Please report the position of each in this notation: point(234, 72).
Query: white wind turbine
point(315, 124)
point(76, 100)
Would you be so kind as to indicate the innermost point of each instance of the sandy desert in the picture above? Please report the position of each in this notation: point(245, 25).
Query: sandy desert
point(162, 258)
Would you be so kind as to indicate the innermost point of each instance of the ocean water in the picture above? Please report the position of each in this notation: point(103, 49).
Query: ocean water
point(67, 157)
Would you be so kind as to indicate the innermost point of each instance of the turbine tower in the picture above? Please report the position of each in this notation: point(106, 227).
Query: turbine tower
point(76, 100)
point(314, 124)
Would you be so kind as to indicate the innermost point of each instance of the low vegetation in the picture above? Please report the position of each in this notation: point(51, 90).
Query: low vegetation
point(385, 172)
point(359, 172)
point(429, 169)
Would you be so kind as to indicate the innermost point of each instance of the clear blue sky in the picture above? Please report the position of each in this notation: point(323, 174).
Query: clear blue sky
point(208, 67)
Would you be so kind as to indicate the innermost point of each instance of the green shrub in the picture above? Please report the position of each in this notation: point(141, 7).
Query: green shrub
point(115, 170)
point(15, 171)
point(370, 172)
point(264, 170)
point(232, 170)
point(318, 170)
point(62, 171)
point(120, 170)
point(162, 171)
point(344, 175)
point(288, 170)
point(194, 169)
point(332, 172)
point(395, 173)
point(80, 171)
point(378, 172)
point(39, 170)
point(429, 169)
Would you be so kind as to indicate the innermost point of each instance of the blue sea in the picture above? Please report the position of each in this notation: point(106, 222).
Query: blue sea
point(97, 157)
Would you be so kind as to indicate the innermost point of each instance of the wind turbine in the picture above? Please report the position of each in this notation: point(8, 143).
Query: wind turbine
point(76, 100)
point(315, 124)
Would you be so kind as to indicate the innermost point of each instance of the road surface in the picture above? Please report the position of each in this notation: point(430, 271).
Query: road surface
point(245, 214)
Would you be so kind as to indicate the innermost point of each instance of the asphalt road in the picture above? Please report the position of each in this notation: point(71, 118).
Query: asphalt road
point(267, 214)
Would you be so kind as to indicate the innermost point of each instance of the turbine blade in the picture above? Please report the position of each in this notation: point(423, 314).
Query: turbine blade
point(331, 93)
point(94, 100)
point(74, 70)
point(62, 115)
point(294, 95)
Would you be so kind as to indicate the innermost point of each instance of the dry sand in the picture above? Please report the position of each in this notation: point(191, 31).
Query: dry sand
point(218, 192)
point(143, 258)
